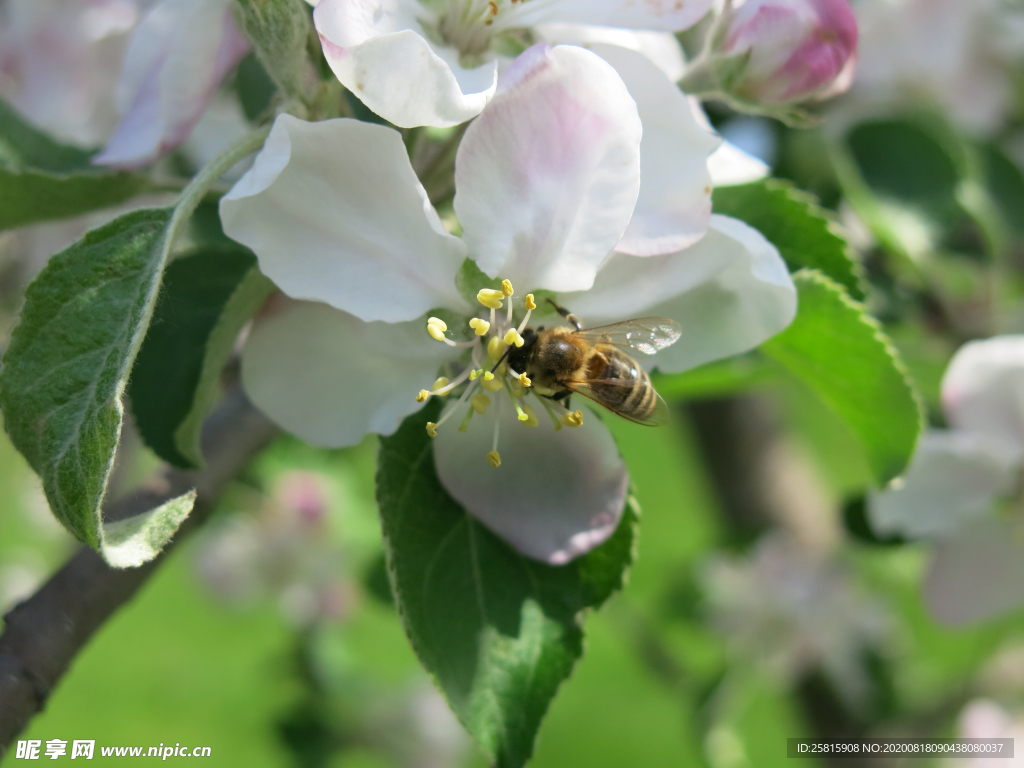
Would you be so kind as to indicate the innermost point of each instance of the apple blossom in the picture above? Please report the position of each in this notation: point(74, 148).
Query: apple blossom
point(436, 62)
point(59, 61)
point(958, 477)
point(547, 185)
point(176, 58)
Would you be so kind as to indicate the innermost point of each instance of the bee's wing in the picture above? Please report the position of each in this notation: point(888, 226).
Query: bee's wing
point(646, 335)
point(592, 389)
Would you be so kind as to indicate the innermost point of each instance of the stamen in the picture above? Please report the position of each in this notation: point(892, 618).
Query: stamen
point(422, 396)
point(436, 327)
point(506, 288)
point(476, 374)
point(573, 419)
point(479, 326)
point(490, 298)
point(531, 304)
point(490, 383)
point(494, 459)
point(524, 380)
point(514, 337)
point(496, 348)
point(479, 401)
point(531, 417)
point(554, 418)
point(441, 381)
point(431, 429)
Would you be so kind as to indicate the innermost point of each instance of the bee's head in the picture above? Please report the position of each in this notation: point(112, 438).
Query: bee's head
point(519, 357)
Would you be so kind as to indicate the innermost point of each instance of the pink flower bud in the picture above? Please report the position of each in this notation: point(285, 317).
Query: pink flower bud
point(798, 49)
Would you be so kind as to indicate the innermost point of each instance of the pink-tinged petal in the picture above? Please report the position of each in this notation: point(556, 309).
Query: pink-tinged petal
point(976, 574)
point(330, 378)
point(662, 48)
point(556, 495)
point(730, 292)
point(657, 15)
point(376, 49)
point(954, 479)
point(335, 213)
point(674, 206)
point(983, 389)
point(176, 58)
point(546, 178)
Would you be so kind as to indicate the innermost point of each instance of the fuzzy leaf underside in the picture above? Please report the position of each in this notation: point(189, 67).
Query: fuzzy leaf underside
point(497, 631)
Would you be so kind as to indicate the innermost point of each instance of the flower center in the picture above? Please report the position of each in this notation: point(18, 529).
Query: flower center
point(470, 25)
point(488, 374)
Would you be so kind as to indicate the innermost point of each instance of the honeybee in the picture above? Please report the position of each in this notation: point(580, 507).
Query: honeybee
point(561, 362)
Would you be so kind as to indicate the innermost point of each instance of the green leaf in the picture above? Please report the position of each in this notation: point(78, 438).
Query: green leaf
point(207, 296)
point(136, 540)
point(60, 387)
point(498, 632)
point(41, 179)
point(805, 234)
point(841, 353)
point(67, 364)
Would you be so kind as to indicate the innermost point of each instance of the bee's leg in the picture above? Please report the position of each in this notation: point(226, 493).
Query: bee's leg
point(567, 315)
point(562, 397)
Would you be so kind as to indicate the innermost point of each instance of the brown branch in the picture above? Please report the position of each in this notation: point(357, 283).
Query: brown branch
point(43, 634)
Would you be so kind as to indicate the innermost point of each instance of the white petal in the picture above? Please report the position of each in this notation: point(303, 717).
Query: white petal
point(176, 58)
point(375, 49)
point(976, 574)
point(730, 292)
point(546, 178)
point(730, 165)
point(330, 378)
point(335, 213)
point(674, 206)
point(954, 479)
point(660, 15)
point(983, 388)
point(662, 48)
point(555, 496)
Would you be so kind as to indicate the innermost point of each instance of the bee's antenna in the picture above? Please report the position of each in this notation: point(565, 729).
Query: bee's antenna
point(566, 314)
point(501, 359)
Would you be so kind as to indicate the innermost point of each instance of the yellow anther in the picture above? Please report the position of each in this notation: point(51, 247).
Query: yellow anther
point(442, 381)
point(436, 327)
point(530, 302)
point(492, 384)
point(480, 326)
point(479, 401)
point(432, 429)
point(573, 419)
point(506, 288)
point(488, 376)
point(531, 417)
point(494, 459)
point(496, 348)
point(474, 375)
point(422, 396)
point(490, 298)
point(513, 337)
point(524, 380)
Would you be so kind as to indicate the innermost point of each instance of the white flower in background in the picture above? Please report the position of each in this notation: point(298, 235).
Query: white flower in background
point(985, 719)
point(176, 58)
point(958, 478)
point(59, 61)
point(793, 610)
point(436, 62)
point(283, 552)
point(956, 54)
point(547, 184)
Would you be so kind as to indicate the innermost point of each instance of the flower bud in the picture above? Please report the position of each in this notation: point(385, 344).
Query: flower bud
point(787, 51)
